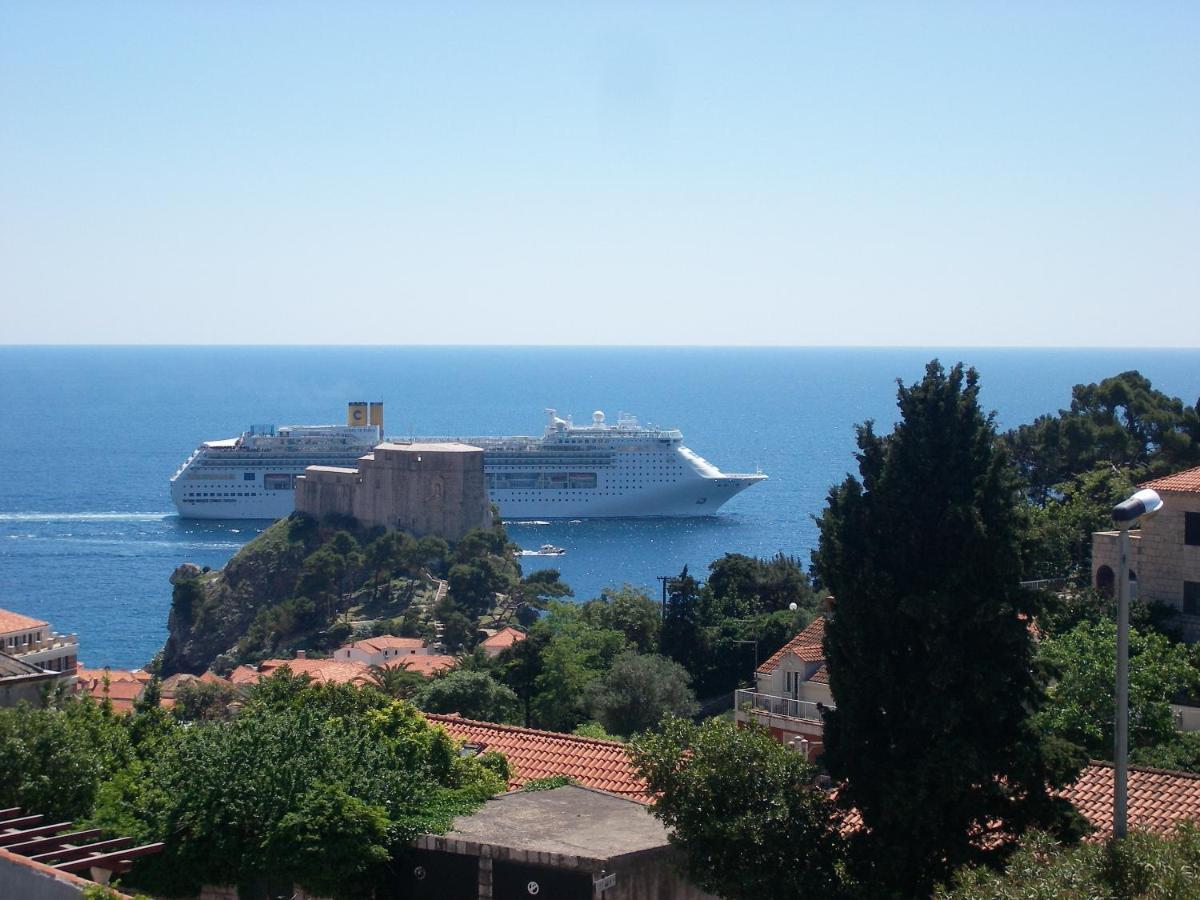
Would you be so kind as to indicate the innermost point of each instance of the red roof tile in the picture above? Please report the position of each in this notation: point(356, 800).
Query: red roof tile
point(1187, 481)
point(533, 754)
point(821, 676)
point(806, 646)
point(11, 621)
point(334, 671)
point(1158, 799)
point(505, 637)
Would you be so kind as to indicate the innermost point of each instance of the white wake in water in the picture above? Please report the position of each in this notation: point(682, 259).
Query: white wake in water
point(83, 517)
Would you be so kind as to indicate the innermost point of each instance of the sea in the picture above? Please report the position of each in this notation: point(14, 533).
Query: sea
point(89, 437)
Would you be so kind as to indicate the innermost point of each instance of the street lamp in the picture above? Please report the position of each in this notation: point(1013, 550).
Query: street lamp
point(1142, 505)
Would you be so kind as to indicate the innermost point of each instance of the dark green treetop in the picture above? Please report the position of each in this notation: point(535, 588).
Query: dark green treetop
point(930, 658)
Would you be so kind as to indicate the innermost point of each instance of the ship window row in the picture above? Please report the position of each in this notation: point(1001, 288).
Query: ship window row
point(234, 494)
point(508, 481)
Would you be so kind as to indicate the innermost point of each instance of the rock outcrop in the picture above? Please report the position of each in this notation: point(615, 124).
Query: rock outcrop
point(210, 611)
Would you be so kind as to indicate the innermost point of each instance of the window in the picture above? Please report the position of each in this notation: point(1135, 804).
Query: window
point(1191, 598)
point(1191, 529)
point(247, 476)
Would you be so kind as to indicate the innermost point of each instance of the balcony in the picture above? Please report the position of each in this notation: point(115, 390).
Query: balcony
point(769, 706)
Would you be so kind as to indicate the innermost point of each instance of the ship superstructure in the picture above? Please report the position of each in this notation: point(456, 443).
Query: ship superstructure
point(253, 476)
point(599, 470)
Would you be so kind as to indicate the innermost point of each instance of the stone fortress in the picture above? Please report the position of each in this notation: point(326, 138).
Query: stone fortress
point(423, 489)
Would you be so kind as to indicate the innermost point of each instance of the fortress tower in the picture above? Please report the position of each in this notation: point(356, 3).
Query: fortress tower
point(422, 489)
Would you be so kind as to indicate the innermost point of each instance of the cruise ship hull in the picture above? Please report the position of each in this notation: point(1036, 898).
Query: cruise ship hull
point(702, 497)
point(599, 471)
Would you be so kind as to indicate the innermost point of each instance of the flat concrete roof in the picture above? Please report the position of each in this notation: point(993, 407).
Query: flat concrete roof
point(429, 448)
point(567, 827)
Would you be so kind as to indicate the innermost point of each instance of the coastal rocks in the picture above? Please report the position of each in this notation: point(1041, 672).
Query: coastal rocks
point(185, 572)
point(210, 611)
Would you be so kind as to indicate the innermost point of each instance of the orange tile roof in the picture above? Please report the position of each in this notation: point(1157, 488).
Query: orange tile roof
point(334, 671)
point(505, 637)
point(1158, 799)
point(124, 686)
point(821, 676)
point(603, 765)
point(11, 621)
point(806, 646)
point(1187, 481)
point(244, 675)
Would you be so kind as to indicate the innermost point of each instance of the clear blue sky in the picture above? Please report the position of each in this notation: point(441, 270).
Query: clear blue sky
point(1005, 173)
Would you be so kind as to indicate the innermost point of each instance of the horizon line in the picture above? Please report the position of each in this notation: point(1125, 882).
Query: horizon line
point(562, 346)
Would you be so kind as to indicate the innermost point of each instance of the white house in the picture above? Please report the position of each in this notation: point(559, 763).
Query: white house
point(791, 692)
point(382, 651)
point(33, 642)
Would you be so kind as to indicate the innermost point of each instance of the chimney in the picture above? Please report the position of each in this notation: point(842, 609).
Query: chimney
point(827, 606)
point(301, 654)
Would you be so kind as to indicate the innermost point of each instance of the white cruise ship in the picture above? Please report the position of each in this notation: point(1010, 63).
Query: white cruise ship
point(572, 471)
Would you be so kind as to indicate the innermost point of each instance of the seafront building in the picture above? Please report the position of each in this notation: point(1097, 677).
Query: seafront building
point(1164, 553)
point(34, 642)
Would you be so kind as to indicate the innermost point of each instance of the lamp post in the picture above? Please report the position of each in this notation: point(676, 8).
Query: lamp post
point(1142, 505)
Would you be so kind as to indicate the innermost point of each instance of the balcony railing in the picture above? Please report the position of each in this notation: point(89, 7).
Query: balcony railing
point(54, 642)
point(805, 710)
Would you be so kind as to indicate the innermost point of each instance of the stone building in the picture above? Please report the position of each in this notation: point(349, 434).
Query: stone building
point(434, 489)
point(1164, 554)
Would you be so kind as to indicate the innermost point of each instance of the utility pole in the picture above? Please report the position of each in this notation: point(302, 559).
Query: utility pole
point(664, 579)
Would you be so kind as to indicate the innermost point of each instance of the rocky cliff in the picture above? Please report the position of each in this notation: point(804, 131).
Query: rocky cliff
point(210, 611)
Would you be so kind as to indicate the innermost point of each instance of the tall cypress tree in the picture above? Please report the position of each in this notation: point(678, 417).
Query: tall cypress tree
point(929, 652)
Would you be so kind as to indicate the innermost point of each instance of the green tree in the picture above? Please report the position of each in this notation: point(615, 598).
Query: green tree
point(471, 694)
point(638, 691)
point(743, 809)
point(929, 654)
point(573, 655)
point(1058, 541)
point(537, 589)
point(1082, 697)
point(311, 784)
point(768, 584)
point(630, 611)
point(53, 761)
point(396, 681)
point(682, 636)
point(202, 701)
point(1120, 422)
point(474, 584)
point(1140, 867)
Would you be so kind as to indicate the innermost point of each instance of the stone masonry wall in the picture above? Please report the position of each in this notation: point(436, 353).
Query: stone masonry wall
point(422, 489)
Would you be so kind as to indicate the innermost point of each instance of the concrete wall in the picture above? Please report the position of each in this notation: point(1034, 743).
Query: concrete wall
point(23, 879)
point(422, 489)
point(27, 689)
point(775, 682)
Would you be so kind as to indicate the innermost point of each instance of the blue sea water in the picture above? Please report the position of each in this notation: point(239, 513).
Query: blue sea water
point(89, 437)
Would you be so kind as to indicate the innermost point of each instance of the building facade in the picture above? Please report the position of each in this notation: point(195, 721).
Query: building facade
point(33, 641)
point(1164, 554)
point(791, 692)
point(422, 489)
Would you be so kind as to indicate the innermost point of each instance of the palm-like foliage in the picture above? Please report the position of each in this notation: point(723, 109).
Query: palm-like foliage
point(396, 681)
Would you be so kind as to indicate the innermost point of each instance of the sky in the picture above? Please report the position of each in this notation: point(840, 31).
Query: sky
point(910, 174)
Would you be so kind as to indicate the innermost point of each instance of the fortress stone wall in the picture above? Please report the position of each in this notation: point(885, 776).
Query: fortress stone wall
point(423, 489)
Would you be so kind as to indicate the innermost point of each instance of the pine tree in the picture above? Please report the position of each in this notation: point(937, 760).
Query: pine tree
point(929, 653)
